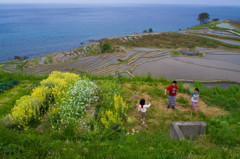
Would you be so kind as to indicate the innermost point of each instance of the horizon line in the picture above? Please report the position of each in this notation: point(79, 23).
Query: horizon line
point(102, 4)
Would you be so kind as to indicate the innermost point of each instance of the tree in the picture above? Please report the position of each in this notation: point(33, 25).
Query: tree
point(203, 18)
point(150, 30)
point(216, 19)
point(144, 31)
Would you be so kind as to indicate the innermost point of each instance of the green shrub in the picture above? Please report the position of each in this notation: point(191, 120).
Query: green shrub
point(7, 85)
point(45, 62)
point(50, 60)
point(106, 47)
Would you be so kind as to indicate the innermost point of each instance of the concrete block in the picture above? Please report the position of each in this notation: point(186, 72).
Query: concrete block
point(187, 130)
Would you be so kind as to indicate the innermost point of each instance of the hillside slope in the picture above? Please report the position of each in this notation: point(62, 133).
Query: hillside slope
point(218, 107)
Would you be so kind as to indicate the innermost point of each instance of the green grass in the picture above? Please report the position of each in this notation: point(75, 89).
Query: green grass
point(45, 62)
point(220, 141)
point(200, 55)
point(9, 97)
point(171, 40)
point(227, 98)
point(21, 65)
point(176, 53)
point(183, 101)
point(122, 61)
point(50, 60)
point(157, 144)
point(158, 92)
point(237, 31)
point(4, 77)
point(210, 25)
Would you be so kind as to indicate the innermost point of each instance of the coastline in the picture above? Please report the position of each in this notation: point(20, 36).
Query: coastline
point(138, 54)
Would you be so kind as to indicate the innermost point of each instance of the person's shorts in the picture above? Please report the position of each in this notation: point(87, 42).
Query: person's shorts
point(143, 114)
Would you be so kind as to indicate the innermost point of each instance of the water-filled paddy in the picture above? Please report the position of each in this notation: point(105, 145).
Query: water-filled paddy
point(171, 68)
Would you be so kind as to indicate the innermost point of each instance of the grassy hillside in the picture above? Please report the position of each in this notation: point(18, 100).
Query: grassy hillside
point(97, 130)
point(170, 40)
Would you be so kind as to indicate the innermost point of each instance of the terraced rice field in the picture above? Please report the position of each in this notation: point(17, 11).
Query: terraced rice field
point(218, 63)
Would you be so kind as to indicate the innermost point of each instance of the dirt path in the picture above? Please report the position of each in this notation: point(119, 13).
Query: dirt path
point(158, 115)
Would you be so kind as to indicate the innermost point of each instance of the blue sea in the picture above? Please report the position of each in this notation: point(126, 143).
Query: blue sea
point(34, 30)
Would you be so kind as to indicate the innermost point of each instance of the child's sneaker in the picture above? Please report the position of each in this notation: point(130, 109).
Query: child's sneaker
point(195, 111)
point(173, 107)
point(168, 106)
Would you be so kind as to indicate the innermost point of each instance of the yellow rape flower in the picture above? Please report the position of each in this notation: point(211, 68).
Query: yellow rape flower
point(28, 107)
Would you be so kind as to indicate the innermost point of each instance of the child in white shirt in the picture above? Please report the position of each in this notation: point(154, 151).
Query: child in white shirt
point(142, 109)
point(195, 98)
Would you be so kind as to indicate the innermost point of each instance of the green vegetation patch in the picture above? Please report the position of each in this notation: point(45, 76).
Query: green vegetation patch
point(8, 85)
point(171, 40)
point(112, 125)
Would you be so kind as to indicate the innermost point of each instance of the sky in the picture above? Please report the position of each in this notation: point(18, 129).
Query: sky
point(200, 2)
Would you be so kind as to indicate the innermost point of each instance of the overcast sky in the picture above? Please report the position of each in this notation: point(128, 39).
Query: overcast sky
point(202, 2)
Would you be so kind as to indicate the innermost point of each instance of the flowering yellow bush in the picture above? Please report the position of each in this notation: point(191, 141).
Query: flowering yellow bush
point(25, 110)
point(109, 117)
point(42, 93)
point(119, 104)
point(117, 113)
point(59, 81)
point(30, 108)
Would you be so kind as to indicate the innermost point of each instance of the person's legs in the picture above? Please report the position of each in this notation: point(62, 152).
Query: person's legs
point(169, 101)
point(143, 117)
point(194, 105)
point(174, 101)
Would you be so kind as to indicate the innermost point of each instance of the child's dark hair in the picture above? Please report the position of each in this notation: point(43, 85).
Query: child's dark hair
point(197, 89)
point(174, 82)
point(142, 102)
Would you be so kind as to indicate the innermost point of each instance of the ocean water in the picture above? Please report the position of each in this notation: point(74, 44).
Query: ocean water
point(36, 30)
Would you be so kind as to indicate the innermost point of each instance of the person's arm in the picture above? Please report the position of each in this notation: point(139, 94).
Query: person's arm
point(166, 90)
point(191, 97)
point(147, 106)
